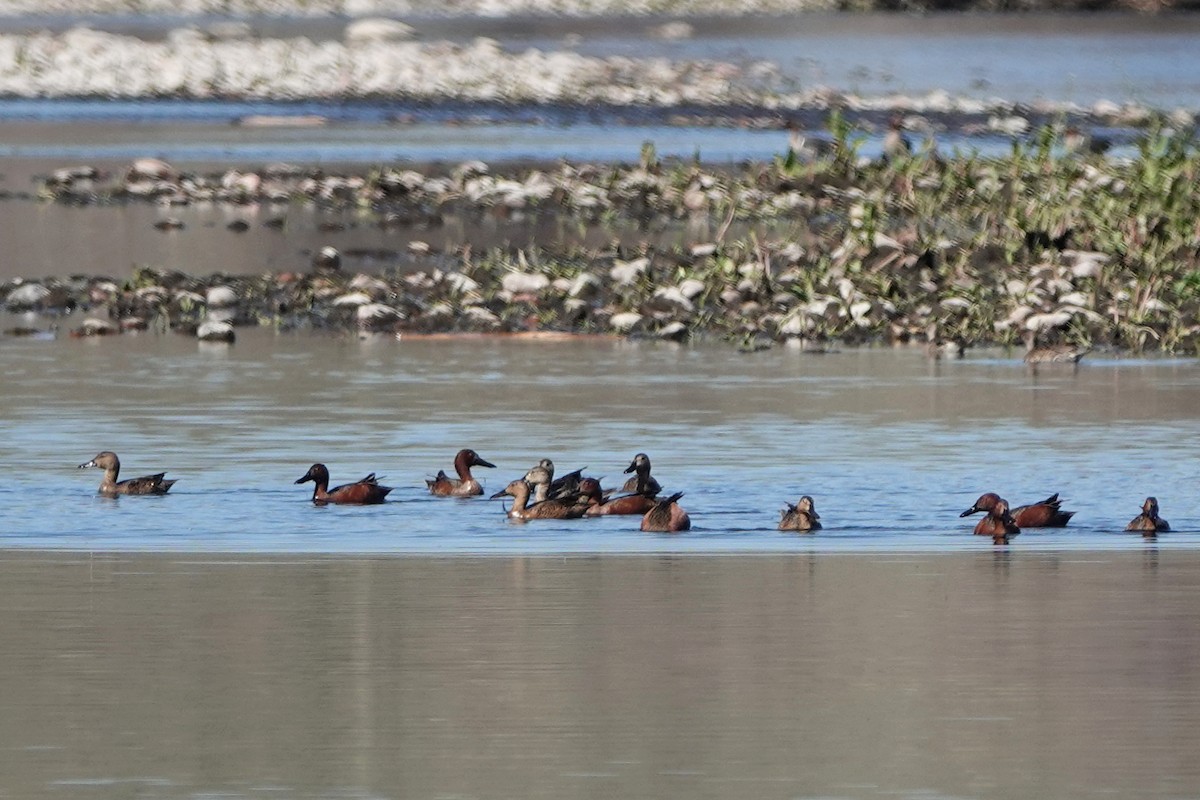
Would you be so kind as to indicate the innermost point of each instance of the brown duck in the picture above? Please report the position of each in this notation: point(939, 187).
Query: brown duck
point(1043, 514)
point(998, 523)
point(519, 490)
point(666, 516)
point(463, 486)
point(641, 482)
point(360, 493)
point(801, 517)
point(1148, 522)
point(110, 486)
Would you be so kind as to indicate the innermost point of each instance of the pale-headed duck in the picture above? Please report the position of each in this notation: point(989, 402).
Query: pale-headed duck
point(465, 485)
point(519, 490)
point(801, 517)
point(147, 484)
point(362, 492)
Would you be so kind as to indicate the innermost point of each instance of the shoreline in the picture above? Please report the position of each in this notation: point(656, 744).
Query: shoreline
point(1055, 243)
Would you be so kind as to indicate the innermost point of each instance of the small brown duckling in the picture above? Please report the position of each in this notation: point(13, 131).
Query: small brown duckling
point(111, 487)
point(465, 485)
point(666, 516)
point(362, 492)
point(801, 517)
point(1148, 522)
point(519, 490)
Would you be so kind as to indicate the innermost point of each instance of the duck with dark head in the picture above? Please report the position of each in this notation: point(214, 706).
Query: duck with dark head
point(1042, 514)
point(463, 486)
point(111, 487)
point(520, 490)
point(1148, 522)
point(998, 523)
point(366, 491)
point(641, 482)
point(667, 516)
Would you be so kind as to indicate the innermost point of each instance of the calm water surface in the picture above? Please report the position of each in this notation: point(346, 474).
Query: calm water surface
point(971, 675)
point(231, 640)
point(891, 446)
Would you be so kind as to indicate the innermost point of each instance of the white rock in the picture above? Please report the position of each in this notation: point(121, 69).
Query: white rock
point(626, 272)
point(353, 299)
point(220, 297)
point(377, 29)
point(29, 294)
point(215, 331)
point(624, 321)
point(524, 282)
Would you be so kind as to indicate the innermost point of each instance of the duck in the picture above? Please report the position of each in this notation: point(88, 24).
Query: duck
point(110, 486)
point(666, 516)
point(998, 523)
point(463, 486)
point(546, 487)
point(800, 517)
point(599, 504)
point(1042, 514)
point(1148, 522)
point(519, 490)
point(641, 482)
point(366, 491)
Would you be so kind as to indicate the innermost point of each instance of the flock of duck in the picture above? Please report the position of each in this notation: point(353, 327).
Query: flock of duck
point(572, 496)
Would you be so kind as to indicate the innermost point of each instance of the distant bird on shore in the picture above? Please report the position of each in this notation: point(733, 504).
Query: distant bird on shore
point(1051, 353)
point(110, 486)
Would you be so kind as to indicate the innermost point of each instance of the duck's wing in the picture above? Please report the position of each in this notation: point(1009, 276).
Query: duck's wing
point(146, 484)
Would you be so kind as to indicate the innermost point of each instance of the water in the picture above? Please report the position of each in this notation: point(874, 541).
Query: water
point(986, 674)
point(891, 446)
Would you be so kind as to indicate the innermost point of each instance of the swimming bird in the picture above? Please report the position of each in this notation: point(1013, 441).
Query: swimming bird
point(366, 491)
point(998, 523)
point(465, 485)
point(110, 486)
point(801, 517)
point(1148, 522)
point(666, 516)
point(641, 482)
point(599, 504)
point(546, 487)
point(1042, 514)
point(519, 490)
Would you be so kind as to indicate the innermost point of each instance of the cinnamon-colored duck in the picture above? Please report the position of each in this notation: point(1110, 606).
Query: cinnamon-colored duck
point(998, 523)
point(1043, 514)
point(666, 516)
point(641, 482)
point(362, 492)
point(1148, 522)
point(110, 486)
point(463, 486)
point(598, 504)
point(519, 490)
point(801, 517)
